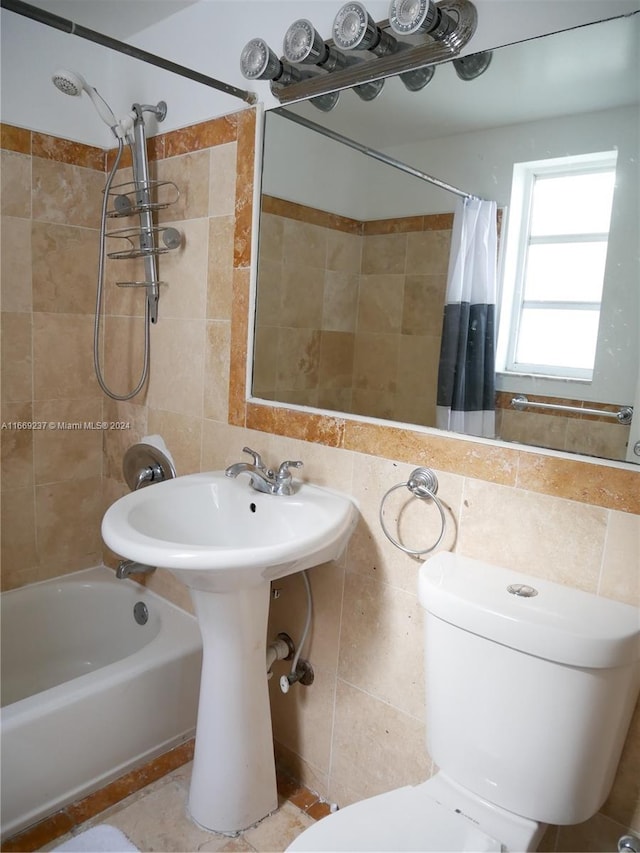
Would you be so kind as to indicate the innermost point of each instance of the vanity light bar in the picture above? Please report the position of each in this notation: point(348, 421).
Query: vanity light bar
point(385, 51)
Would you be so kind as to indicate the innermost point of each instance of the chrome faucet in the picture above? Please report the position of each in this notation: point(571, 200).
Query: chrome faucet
point(265, 479)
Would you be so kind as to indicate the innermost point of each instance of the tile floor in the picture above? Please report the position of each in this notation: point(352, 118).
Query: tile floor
point(155, 819)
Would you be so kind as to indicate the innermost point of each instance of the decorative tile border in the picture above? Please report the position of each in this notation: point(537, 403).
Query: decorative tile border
point(313, 216)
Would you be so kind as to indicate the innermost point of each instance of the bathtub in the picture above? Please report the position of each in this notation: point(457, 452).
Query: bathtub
point(88, 693)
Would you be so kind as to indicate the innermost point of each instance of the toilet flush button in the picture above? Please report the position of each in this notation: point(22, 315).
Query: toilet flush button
point(522, 590)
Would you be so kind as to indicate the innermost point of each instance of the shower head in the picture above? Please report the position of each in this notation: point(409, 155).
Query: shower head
point(72, 83)
point(69, 82)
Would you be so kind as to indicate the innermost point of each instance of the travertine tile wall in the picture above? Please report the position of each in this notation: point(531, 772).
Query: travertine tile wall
point(51, 475)
point(359, 729)
point(363, 301)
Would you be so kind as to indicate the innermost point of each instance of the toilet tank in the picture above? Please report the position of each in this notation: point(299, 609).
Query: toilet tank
point(529, 692)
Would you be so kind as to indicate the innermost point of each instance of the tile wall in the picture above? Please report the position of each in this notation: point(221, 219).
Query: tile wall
point(51, 476)
point(359, 729)
point(362, 300)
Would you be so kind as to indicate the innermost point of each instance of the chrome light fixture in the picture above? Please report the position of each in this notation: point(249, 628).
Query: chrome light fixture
point(259, 62)
point(419, 35)
point(354, 29)
point(303, 44)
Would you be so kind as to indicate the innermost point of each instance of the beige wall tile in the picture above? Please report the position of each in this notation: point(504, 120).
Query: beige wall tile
point(65, 263)
point(311, 708)
point(336, 359)
point(117, 441)
point(70, 374)
point(340, 301)
point(375, 366)
point(423, 305)
point(68, 517)
point(185, 272)
point(366, 727)
point(271, 237)
point(17, 363)
point(428, 252)
point(304, 245)
point(269, 297)
point(190, 173)
point(216, 370)
point(222, 186)
point(344, 251)
point(384, 253)
point(301, 296)
point(543, 536)
point(15, 189)
point(380, 303)
point(381, 643)
point(220, 268)
point(70, 195)
point(621, 562)
point(19, 550)
point(15, 264)
point(298, 359)
point(68, 454)
point(265, 355)
point(177, 366)
point(16, 447)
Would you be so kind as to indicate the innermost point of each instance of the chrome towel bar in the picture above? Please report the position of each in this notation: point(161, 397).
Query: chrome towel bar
point(623, 415)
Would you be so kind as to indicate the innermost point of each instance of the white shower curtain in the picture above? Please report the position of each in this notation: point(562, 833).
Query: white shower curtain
point(466, 377)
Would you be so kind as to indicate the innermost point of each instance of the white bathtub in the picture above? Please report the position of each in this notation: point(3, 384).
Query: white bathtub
point(87, 692)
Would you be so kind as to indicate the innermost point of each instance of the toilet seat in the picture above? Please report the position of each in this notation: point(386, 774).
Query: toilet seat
point(406, 819)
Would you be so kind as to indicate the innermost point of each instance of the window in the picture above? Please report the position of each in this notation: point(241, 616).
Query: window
point(554, 267)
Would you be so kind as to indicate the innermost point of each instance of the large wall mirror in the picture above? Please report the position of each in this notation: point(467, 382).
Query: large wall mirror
point(354, 253)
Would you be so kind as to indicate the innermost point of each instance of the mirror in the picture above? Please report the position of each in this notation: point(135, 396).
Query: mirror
point(353, 253)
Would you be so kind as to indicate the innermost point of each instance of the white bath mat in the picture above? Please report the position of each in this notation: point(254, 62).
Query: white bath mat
point(99, 839)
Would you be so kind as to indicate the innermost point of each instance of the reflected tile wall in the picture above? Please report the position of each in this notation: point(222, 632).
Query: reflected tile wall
point(381, 284)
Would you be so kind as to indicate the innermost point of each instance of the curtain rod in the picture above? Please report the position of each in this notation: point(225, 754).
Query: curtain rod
point(58, 23)
point(371, 152)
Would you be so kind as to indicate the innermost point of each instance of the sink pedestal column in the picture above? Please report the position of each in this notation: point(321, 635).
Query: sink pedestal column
point(233, 784)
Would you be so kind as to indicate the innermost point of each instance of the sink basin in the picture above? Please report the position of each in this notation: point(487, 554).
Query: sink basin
point(226, 542)
point(217, 533)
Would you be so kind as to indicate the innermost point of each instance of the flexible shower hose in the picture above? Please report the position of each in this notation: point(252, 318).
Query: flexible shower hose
point(99, 299)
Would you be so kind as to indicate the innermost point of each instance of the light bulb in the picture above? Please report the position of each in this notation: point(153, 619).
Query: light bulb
point(354, 29)
point(259, 62)
point(407, 17)
point(303, 43)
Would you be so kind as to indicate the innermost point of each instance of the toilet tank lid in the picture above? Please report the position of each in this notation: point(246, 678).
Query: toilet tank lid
point(559, 623)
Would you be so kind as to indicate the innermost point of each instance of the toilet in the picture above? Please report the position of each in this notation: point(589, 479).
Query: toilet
point(530, 688)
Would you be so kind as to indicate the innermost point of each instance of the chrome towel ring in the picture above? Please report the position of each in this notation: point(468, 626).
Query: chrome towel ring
point(423, 484)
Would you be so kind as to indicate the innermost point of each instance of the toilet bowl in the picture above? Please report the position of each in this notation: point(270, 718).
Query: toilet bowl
point(437, 815)
point(530, 688)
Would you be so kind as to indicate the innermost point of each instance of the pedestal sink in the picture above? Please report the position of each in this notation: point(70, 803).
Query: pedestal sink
point(226, 542)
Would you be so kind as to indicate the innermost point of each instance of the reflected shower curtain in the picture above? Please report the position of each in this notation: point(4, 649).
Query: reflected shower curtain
point(466, 375)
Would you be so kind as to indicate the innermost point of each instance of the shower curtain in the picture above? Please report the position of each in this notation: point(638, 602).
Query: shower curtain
point(466, 375)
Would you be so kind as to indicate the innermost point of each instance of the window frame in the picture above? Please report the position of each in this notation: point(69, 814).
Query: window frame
point(517, 242)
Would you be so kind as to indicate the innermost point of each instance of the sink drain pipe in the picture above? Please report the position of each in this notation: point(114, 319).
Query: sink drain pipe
point(298, 671)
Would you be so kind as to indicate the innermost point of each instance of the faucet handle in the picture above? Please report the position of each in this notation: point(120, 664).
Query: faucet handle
point(283, 470)
point(257, 459)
